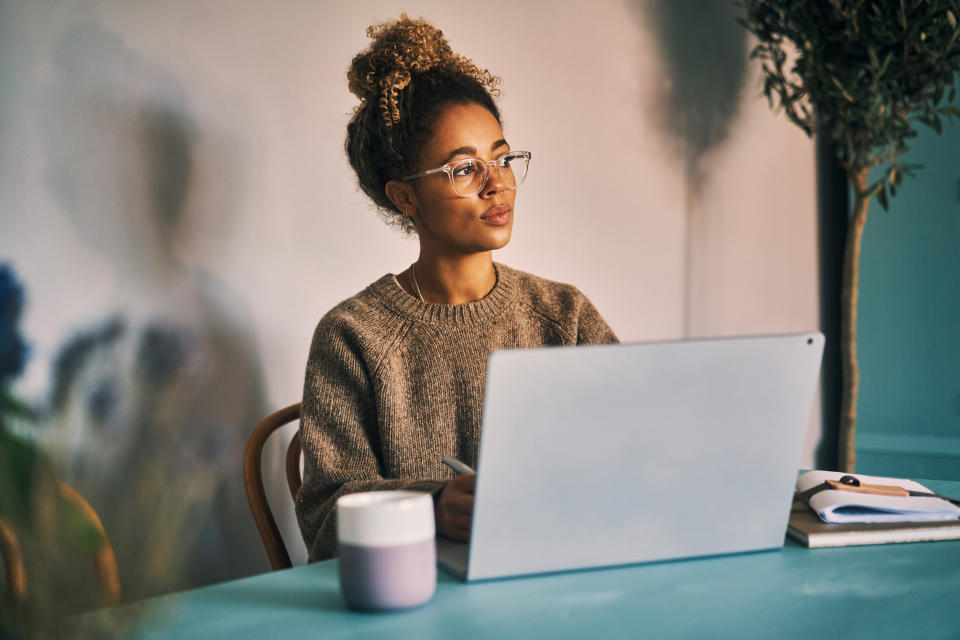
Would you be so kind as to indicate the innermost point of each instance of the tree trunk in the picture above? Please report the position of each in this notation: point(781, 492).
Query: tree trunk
point(847, 457)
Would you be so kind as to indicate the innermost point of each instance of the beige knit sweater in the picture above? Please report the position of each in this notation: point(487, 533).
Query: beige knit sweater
point(393, 385)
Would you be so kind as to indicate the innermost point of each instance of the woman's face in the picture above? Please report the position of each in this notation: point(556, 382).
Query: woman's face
point(446, 222)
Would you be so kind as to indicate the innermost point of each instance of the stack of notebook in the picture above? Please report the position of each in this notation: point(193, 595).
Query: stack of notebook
point(834, 509)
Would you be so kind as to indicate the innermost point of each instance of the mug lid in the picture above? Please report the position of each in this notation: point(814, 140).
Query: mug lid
point(385, 518)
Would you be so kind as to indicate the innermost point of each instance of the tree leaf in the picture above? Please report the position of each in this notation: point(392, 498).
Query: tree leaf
point(882, 198)
point(886, 63)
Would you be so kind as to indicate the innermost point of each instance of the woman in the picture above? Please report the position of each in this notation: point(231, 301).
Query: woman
point(395, 376)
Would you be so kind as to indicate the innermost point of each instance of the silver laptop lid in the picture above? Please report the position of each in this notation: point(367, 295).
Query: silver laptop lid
point(603, 455)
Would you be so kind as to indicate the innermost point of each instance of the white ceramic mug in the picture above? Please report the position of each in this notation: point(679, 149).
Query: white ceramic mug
point(387, 550)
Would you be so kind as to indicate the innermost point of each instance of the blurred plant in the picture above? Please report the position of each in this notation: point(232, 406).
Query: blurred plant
point(13, 350)
point(862, 75)
point(18, 458)
point(53, 525)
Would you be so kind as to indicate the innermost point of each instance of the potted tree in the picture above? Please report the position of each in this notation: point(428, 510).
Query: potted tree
point(861, 74)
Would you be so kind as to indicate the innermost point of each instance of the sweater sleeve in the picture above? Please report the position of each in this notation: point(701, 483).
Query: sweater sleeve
point(339, 436)
point(592, 328)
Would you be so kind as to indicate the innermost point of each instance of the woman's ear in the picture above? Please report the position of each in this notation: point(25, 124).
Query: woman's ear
point(402, 196)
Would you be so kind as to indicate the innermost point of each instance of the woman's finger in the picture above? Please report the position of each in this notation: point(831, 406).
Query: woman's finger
point(457, 520)
point(460, 503)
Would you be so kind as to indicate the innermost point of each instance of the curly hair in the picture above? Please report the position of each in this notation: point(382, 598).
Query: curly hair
point(407, 76)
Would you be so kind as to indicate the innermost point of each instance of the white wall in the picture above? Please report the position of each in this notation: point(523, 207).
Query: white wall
point(272, 214)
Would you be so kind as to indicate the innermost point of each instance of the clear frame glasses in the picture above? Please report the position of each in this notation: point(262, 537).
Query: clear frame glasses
point(469, 175)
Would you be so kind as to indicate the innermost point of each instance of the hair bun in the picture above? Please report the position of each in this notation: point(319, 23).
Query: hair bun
point(400, 49)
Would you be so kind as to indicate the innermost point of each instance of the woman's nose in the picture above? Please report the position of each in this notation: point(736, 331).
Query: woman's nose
point(494, 181)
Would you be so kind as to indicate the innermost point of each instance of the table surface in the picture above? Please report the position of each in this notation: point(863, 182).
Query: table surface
point(898, 590)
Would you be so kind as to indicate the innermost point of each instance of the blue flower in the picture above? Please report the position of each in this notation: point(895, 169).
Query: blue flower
point(13, 350)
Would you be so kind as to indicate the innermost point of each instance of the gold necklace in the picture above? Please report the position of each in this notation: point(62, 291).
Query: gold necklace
point(414, 284)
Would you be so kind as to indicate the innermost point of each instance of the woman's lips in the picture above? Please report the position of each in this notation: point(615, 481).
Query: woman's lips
point(498, 216)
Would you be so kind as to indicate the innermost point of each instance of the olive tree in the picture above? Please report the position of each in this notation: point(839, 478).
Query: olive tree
point(862, 74)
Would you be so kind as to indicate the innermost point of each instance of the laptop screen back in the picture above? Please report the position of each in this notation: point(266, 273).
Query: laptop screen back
point(603, 455)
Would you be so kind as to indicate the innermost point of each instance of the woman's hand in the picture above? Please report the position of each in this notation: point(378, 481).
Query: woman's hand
point(455, 508)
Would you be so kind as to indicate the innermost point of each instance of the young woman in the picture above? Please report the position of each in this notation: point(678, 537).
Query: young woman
point(396, 373)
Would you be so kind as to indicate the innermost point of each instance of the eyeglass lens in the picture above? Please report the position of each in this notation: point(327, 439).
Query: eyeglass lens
point(470, 175)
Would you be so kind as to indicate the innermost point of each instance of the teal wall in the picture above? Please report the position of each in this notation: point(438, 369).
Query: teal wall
point(909, 321)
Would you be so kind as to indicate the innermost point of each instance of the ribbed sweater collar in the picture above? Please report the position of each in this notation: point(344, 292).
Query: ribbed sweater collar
point(500, 297)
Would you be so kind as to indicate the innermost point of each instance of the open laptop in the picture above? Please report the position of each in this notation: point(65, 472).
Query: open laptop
point(603, 455)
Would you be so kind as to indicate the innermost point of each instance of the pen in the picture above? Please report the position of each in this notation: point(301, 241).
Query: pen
point(457, 466)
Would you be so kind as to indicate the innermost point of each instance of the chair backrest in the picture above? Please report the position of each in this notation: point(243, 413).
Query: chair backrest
point(104, 560)
point(16, 572)
point(294, 479)
point(253, 481)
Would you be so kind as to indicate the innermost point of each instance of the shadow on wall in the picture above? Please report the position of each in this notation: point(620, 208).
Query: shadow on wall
point(704, 57)
point(150, 408)
point(705, 62)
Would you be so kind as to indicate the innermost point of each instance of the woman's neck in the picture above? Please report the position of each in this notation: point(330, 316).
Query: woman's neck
point(453, 280)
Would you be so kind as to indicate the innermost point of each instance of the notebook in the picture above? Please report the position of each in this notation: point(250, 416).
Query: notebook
point(870, 510)
point(872, 499)
point(595, 456)
point(809, 530)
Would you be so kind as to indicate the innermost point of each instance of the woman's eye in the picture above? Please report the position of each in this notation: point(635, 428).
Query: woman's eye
point(464, 170)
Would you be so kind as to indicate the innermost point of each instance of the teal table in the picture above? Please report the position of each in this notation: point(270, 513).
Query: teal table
point(887, 591)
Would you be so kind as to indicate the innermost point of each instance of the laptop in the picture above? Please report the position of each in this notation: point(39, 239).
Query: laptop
point(603, 455)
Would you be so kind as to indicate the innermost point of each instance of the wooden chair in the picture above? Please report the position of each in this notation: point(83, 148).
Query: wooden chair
point(16, 572)
point(253, 481)
point(104, 560)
